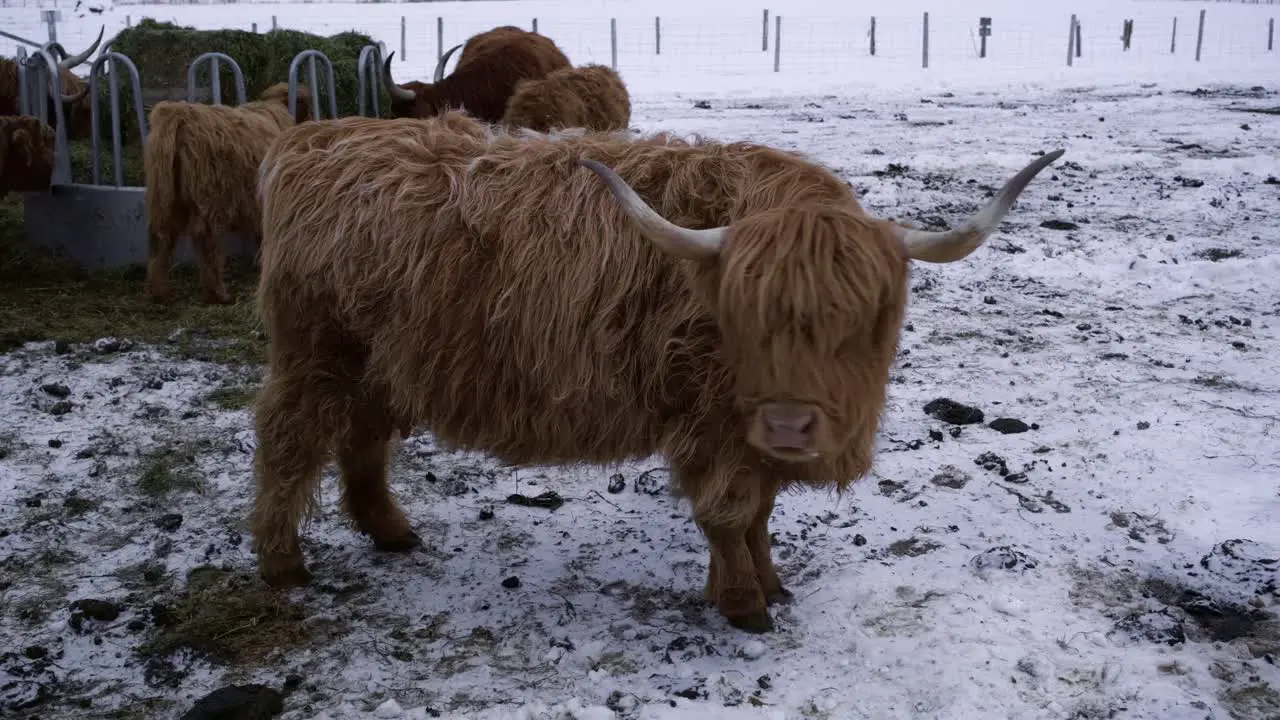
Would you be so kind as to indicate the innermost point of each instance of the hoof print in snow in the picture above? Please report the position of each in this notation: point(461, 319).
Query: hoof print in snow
point(242, 702)
point(169, 522)
point(550, 500)
point(57, 390)
point(617, 483)
point(1155, 626)
point(1140, 528)
point(1059, 225)
point(652, 482)
point(952, 477)
point(1250, 565)
point(1002, 557)
point(912, 547)
point(892, 488)
point(952, 412)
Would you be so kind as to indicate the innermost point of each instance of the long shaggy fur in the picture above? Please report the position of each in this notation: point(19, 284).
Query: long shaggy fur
point(77, 113)
point(591, 97)
point(201, 164)
point(487, 287)
point(485, 76)
point(26, 154)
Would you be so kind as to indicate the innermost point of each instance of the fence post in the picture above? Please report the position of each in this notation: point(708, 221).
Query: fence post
point(535, 24)
point(764, 43)
point(403, 32)
point(1200, 35)
point(657, 35)
point(439, 38)
point(1079, 40)
point(273, 22)
point(51, 18)
point(613, 42)
point(254, 28)
point(128, 21)
point(1271, 34)
point(984, 29)
point(1071, 40)
point(777, 43)
point(872, 33)
point(925, 57)
point(1173, 39)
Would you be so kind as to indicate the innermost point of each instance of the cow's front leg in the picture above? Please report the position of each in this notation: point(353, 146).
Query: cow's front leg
point(762, 553)
point(733, 582)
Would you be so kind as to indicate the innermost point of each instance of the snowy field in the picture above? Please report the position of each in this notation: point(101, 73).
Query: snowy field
point(1117, 558)
point(716, 47)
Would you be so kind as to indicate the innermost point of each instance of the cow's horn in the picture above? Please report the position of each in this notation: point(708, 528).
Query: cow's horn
point(679, 241)
point(952, 245)
point(393, 89)
point(444, 60)
point(74, 60)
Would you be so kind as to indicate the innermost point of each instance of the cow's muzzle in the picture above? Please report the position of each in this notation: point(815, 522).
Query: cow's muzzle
point(789, 431)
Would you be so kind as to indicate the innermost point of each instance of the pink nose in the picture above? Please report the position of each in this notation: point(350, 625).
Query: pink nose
point(789, 426)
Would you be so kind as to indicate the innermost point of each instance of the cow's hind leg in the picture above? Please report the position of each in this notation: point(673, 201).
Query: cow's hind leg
point(210, 258)
point(159, 264)
point(298, 412)
point(363, 456)
point(725, 509)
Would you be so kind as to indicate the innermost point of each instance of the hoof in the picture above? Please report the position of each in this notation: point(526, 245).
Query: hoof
point(782, 596)
point(755, 623)
point(283, 577)
point(404, 543)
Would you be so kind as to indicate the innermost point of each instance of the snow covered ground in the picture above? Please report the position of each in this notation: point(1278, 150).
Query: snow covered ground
point(1117, 559)
point(716, 46)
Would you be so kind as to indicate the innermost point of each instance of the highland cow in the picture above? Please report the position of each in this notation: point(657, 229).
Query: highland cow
point(484, 79)
point(201, 165)
point(592, 97)
point(74, 90)
point(588, 299)
point(26, 154)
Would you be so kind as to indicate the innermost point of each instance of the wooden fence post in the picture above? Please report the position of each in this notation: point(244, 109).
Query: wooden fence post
point(1200, 35)
point(777, 42)
point(925, 57)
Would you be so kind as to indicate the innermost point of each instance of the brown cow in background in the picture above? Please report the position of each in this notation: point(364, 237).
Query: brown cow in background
point(484, 79)
point(592, 97)
point(75, 92)
point(26, 154)
point(492, 289)
point(201, 164)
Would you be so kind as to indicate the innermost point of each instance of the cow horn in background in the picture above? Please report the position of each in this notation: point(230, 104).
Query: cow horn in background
point(74, 60)
point(671, 238)
point(952, 245)
point(393, 89)
point(444, 59)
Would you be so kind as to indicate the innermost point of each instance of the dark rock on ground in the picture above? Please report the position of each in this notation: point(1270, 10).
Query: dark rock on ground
point(1008, 426)
point(237, 702)
point(950, 411)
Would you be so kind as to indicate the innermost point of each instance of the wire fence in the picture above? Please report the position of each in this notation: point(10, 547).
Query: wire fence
point(657, 46)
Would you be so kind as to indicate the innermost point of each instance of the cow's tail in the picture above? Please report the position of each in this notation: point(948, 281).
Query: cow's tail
point(162, 167)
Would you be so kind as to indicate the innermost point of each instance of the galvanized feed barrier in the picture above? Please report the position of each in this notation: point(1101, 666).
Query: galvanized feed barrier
point(97, 225)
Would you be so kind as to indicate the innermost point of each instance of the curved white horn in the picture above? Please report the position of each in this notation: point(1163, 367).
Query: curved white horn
point(952, 245)
point(74, 60)
point(393, 89)
point(671, 238)
point(444, 60)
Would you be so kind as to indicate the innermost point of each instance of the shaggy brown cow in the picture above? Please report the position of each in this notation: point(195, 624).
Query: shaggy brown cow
point(484, 79)
point(75, 92)
point(510, 300)
point(591, 97)
point(26, 154)
point(201, 165)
